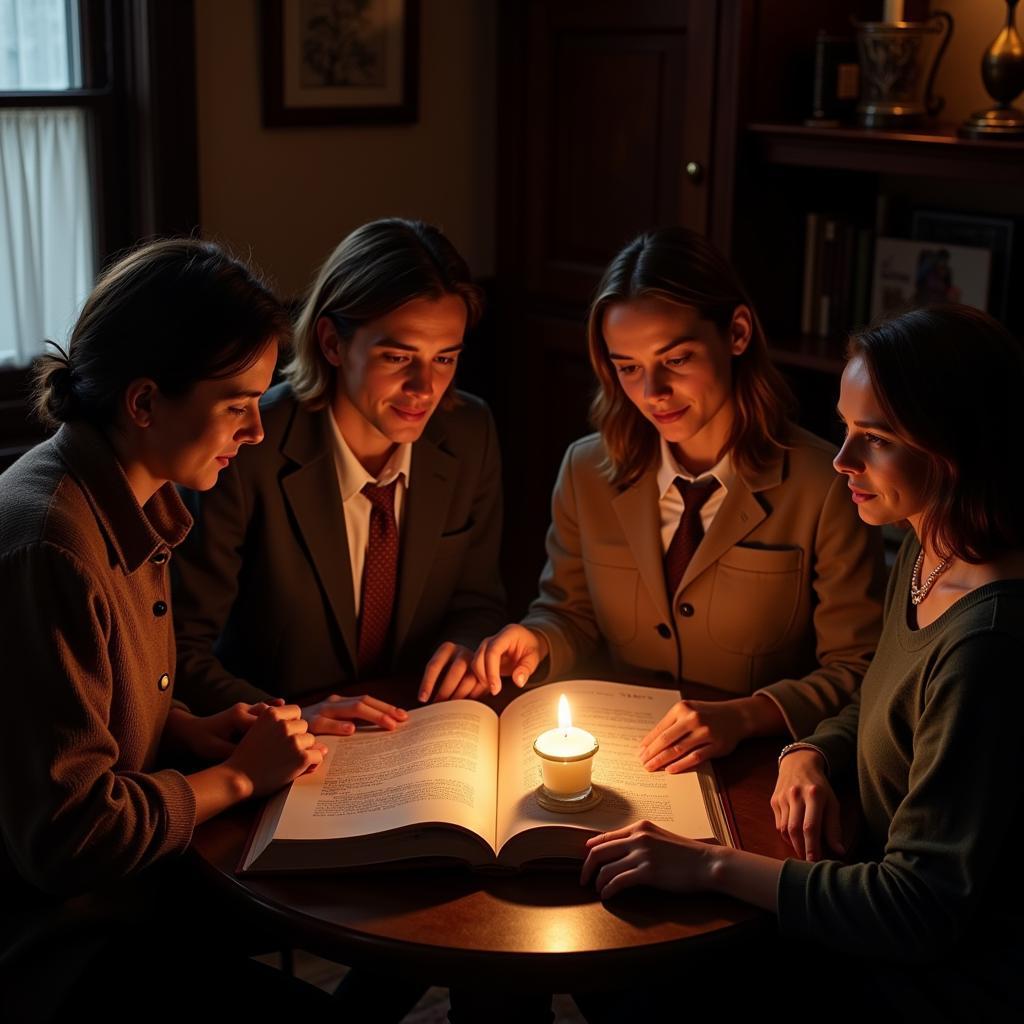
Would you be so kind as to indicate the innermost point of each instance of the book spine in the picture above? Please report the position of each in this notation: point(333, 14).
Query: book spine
point(862, 278)
point(826, 292)
point(841, 309)
point(810, 269)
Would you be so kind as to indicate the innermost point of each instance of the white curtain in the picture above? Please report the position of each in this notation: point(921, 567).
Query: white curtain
point(47, 254)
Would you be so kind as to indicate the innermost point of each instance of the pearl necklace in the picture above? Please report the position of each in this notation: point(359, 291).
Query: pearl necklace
point(918, 590)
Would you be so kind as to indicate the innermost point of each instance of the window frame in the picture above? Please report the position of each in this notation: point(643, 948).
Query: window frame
point(137, 61)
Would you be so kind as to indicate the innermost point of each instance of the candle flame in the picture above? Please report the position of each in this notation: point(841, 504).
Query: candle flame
point(564, 718)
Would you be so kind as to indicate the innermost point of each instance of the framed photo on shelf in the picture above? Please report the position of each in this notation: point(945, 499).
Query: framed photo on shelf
point(339, 62)
point(992, 233)
point(909, 274)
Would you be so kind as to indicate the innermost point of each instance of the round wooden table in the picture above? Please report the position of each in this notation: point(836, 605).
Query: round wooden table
point(537, 930)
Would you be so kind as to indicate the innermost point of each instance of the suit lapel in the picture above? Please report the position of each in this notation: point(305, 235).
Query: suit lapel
point(432, 477)
point(637, 509)
point(740, 513)
point(311, 491)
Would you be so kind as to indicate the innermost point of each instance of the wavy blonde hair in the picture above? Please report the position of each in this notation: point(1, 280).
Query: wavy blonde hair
point(377, 268)
point(680, 266)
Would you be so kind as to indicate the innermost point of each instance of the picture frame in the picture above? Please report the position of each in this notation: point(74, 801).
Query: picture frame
point(332, 62)
point(910, 273)
point(992, 233)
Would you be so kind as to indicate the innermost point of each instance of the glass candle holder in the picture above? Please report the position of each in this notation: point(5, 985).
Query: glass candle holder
point(567, 759)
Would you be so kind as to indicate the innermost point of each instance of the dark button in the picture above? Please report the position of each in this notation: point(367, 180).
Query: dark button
point(159, 558)
point(663, 631)
point(163, 682)
point(686, 609)
point(160, 608)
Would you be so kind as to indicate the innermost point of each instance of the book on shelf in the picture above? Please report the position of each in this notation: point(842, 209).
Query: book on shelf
point(458, 783)
point(837, 276)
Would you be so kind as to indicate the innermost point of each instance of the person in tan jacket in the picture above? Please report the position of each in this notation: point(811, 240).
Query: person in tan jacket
point(700, 535)
point(160, 386)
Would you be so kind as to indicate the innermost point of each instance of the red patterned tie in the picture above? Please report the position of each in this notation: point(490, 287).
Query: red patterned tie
point(690, 530)
point(380, 574)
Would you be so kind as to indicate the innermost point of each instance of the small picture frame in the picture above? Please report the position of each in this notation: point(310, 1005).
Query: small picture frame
point(910, 274)
point(329, 62)
point(992, 233)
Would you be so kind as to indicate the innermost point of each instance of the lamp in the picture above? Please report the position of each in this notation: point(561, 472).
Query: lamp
point(1002, 71)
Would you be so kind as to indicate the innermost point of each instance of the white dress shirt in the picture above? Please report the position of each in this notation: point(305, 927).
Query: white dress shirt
point(670, 501)
point(352, 477)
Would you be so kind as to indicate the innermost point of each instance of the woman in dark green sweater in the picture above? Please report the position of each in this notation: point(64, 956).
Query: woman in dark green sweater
point(932, 908)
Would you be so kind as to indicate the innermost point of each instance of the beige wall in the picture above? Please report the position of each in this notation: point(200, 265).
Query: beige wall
point(977, 22)
point(286, 196)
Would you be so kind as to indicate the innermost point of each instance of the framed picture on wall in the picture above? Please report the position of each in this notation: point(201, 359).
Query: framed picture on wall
point(992, 233)
point(340, 61)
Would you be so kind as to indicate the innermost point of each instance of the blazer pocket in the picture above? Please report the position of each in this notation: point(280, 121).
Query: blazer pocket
point(453, 543)
point(754, 598)
point(613, 592)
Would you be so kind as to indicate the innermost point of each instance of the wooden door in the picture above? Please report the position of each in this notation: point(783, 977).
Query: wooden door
point(603, 105)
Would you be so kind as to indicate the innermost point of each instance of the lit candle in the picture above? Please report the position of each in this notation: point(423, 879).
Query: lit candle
point(893, 11)
point(567, 755)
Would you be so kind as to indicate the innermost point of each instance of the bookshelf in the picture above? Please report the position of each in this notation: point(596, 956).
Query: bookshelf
point(936, 153)
point(872, 178)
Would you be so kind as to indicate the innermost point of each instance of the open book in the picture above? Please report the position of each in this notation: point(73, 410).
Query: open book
point(456, 781)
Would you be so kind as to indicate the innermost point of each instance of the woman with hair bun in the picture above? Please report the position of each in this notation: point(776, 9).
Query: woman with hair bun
point(159, 387)
point(699, 535)
point(926, 921)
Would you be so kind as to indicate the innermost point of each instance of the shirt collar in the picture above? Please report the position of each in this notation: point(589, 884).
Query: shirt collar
point(668, 469)
point(135, 533)
point(352, 475)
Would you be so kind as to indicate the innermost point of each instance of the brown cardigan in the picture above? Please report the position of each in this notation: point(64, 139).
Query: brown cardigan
point(88, 652)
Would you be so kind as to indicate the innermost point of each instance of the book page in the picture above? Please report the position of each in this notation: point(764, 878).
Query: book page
point(439, 766)
point(619, 716)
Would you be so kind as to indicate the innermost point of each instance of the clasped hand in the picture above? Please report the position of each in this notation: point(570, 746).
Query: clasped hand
point(211, 737)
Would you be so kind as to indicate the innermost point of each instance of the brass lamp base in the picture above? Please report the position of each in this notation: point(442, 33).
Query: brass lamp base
point(998, 122)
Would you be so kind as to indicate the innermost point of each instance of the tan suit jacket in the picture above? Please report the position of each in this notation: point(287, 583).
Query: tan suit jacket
point(782, 596)
point(263, 595)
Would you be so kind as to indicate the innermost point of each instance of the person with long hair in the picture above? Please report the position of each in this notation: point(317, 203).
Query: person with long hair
point(361, 538)
point(699, 535)
point(928, 916)
point(159, 387)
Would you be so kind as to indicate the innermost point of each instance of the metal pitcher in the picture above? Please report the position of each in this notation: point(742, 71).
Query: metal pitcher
point(895, 92)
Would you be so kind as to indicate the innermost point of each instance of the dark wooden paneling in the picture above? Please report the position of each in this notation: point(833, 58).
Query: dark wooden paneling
point(617, 101)
point(601, 106)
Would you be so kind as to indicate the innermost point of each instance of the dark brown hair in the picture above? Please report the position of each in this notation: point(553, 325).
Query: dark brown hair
point(177, 311)
point(681, 266)
point(379, 267)
point(949, 381)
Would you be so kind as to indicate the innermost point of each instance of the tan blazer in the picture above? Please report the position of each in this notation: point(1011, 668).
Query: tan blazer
point(263, 595)
point(782, 596)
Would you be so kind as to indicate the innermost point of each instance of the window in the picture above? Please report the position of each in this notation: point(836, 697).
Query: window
point(47, 234)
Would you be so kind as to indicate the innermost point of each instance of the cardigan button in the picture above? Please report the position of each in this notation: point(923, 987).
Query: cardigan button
point(160, 608)
point(686, 609)
point(159, 558)
point(663, 631)
point(163, 682)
